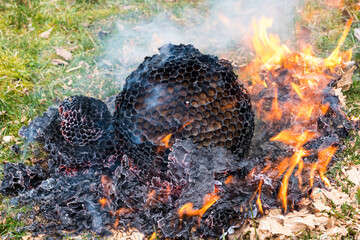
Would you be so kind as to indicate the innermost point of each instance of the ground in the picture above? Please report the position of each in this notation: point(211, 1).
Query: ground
point(53, 49)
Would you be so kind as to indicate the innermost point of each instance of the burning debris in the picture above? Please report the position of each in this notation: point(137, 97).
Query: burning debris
point(179, 153)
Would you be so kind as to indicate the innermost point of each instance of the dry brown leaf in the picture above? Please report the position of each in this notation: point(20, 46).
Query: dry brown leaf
point(132, 234)
point(336, 196)
point(319, 207)
point(30, 237)
point(59, 62)
point(251, 231)
point(319, 203)
point(73, 48)
point(353, 175)
point(7, 139)
point(346, 80)
point(337, 232)
point(357, 33)
point(331, 222)
point(46, 34)
point(342, 99)
point(273, 226)
point(63, 53)
point(321, 219)
point(298, 224)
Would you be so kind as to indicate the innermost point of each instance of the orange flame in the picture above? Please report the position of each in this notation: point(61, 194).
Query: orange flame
point(189, 211)
point(258, 200)
point(296, 140)
point(336, 57)
point(229, 180)
point(324, 159)
point(165, 140)
point(276, 112)
point(269, 51)
point(153, 236)
point(293, 138)
point(102, 201)
point(305, 77)
point(295, 159)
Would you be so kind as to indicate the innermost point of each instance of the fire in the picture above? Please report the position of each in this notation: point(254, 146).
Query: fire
point(102, 201)
point(268, 49)
point(324, 159)
point(189, 211)
point(153, 236)
point(336, 57)
point(165, 140)
point(229, 180)
point(276, 112)
point(304, 78)
point(258, 200)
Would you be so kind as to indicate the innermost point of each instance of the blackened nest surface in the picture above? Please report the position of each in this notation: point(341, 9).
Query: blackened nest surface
point(188, 95)
point(105, 172)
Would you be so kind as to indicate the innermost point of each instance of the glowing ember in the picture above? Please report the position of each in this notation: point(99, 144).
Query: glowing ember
point(102, 201)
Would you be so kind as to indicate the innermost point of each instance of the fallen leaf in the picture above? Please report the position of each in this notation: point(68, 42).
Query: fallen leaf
point(319, 207)
point(298, 224)
point(346, 80)
point(46, 34)
point(353, 175)
point(337, 197)
point(273, 226)
point(342, 99)
point(357, 33)
point(7, 139)
point(59, 62)
point(131, 234)
point(331, 222)
point(319, 201)
point(73, 48)
point(337, 231)
point(63, 53)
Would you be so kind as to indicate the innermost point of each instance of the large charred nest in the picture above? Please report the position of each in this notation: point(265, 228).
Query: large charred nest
point(175, 155)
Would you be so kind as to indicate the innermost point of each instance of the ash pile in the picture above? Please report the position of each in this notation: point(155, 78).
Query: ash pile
point(177, 155)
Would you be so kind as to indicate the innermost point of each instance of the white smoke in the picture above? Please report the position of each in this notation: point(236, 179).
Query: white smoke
point(214, 27)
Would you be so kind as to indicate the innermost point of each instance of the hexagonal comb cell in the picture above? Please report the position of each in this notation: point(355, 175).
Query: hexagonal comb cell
point(182, 93)
point(79, 134)
point(83, 120)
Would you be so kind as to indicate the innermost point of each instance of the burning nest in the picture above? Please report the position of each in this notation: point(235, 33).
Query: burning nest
point(179, 153)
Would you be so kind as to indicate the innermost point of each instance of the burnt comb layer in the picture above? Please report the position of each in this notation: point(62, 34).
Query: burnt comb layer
point(183, 94)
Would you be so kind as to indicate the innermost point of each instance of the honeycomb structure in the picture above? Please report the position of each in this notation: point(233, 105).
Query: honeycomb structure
point(80, 135)
point(83, 119)
point(183, 94)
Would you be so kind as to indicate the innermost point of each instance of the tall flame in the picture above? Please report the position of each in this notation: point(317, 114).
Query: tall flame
point(306, 78)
